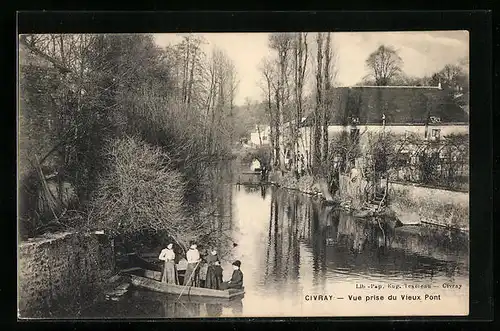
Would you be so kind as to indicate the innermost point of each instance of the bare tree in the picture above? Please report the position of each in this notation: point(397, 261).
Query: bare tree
point(319, 104)
point(269, 87)
point(384, 64)
point(81, 91)
point(300, 52)
point(327, 81)
point(282, 44)
point(233, 87)
point(451, 77)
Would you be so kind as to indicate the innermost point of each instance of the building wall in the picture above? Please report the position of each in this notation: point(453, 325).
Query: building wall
point(403, 129)
point(59, 269)
point(305, 143)
point(264, 136)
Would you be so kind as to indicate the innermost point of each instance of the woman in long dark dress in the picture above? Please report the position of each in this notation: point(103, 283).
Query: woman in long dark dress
point(211, 280)
point(214, 276)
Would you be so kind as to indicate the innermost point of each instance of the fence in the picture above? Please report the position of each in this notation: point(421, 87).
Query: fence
point(442, 164)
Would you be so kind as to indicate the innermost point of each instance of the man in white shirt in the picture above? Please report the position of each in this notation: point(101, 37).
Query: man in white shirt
point(193, 259)
point(169, 272)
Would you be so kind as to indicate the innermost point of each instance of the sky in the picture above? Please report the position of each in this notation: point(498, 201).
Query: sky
point(423, 53)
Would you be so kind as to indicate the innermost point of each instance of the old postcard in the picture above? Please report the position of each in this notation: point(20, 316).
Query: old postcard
point(243, 175)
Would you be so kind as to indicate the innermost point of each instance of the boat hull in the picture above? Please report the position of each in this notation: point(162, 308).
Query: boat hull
point(191, 291)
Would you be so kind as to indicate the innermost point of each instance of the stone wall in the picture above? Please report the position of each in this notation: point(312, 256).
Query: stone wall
point(57, 270)
point(413, 203)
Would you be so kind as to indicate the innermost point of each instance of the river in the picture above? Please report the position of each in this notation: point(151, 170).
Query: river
point(293, 249)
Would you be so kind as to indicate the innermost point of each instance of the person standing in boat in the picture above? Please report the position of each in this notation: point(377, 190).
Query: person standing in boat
point(211, 280)
point(212, 257)
point(169, 272)
point(236, 281)
point(192, 270)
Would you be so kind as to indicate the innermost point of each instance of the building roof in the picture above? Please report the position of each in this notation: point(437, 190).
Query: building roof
point(400, 105)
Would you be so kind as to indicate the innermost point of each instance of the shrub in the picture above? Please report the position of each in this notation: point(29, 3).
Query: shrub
point(140, 193)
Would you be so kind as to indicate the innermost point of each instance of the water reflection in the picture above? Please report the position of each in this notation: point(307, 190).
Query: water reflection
point(291, 244)
point(341, 243)
point(147, 304)
point(262, 188)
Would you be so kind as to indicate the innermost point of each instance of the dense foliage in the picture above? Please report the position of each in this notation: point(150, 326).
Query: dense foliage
point(102, 114)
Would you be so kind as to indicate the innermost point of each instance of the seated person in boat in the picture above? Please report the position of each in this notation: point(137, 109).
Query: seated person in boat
point(169, 273)
point(236, 281)
point(214, 276)
point(191, 277)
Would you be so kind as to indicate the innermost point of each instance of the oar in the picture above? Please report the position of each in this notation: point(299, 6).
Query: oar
point(188, 280)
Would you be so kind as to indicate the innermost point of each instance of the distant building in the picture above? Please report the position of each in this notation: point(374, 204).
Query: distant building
point(424, 111)
point(261, 135)
point(255, 165)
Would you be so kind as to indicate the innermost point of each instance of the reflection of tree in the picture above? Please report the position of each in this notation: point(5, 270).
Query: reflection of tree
point(263, 191)
point(218, 209)
point(295, 251)
point(276, 236)
point(269, 238)
point(340, 241)
point(283, 238)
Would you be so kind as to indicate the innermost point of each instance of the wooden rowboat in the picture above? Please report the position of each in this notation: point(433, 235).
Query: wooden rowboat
point(150, 280)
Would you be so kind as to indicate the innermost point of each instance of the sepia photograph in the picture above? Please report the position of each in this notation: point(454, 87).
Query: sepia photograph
point(203, 175)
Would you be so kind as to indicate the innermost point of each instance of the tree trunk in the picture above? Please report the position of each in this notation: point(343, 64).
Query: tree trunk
point(280, 109)
point(260, 139)
point(317, 112)
point(277, 131)
point(191, 78)
point(326, 98)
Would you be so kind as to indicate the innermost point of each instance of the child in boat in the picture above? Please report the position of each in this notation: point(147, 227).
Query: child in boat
point(236, 281)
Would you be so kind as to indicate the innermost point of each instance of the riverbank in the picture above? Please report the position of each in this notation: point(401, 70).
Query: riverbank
point(304, 184)
point(408, 205)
